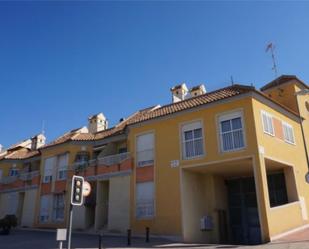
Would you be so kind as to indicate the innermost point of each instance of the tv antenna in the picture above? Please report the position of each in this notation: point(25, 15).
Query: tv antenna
point(271, 47)
point(43, 127)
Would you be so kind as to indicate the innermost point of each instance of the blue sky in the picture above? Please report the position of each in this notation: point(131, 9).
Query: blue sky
point(63, 61)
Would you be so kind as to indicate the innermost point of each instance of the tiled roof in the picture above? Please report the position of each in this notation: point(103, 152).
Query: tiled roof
point(76, 135)
point(158, 111)
point(206, 98)
point(20, 154)
point(281, 80)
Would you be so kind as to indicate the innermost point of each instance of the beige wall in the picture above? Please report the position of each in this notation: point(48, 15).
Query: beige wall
point(119, 204)
point(28, 213)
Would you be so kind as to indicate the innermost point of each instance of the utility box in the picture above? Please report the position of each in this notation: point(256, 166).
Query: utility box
point(206, 223)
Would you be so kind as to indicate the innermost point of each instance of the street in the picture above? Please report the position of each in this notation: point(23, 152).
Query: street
point(23, 239)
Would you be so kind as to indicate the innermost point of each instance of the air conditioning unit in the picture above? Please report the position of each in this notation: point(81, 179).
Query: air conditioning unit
point(207, 223)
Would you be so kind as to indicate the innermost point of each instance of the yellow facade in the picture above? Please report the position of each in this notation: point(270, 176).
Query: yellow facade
point(187, 190)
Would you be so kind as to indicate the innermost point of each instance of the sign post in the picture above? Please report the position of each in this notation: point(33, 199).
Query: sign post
point(61, 236)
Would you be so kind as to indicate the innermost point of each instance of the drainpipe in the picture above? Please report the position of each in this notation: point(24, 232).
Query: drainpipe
point(302, 92)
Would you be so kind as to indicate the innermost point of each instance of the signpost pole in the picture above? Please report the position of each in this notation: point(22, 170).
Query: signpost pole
point(70, 226)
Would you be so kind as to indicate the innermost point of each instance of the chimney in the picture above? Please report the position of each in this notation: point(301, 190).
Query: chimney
point(179, 92)
point(37, 141)
point(197, 90)
point(97, 123)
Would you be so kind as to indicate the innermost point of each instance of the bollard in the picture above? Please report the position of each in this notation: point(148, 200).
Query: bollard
point(147, 234)
point(129, 237)
point(100, 241)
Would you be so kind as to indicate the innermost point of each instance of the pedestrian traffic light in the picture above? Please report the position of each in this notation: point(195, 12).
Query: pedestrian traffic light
point(77, 191)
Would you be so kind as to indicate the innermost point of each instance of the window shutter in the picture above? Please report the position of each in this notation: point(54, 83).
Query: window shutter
point(48, 166)
point(145, 191)
point(145, 142)
point(63, 162)
point(45, 202)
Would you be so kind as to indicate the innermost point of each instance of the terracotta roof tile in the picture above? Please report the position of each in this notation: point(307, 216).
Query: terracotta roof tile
point(193, 102)
point(21, 154)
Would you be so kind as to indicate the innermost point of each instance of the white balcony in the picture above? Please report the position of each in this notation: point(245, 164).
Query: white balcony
point(28, 175)
point(8, 179)
point(113, 159)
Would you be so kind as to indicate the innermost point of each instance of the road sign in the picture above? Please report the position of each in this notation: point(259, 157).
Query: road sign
point(86, 189)
point(77, 197)
point(307, 177)
point(61, 234)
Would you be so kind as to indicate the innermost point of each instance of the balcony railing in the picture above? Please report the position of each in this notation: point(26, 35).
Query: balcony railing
point(8, 179)
point(28, 175)
point(107, 160)
point(113, 159)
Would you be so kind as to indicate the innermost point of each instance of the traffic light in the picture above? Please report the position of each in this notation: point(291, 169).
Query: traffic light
point(77, 191)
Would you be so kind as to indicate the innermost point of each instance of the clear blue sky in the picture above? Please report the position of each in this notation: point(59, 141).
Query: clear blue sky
point(62, 61)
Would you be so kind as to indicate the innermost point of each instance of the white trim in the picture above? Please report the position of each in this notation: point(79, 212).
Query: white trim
point(229, 115)
point(189, 126)
point(291, 231)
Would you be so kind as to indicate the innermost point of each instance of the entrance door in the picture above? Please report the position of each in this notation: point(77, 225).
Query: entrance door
point(243, 211)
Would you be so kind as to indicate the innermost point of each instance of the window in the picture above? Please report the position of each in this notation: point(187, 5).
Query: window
point(231, 132)
point(145, 200)
point(267, 121)
point(145, 149)
point(277, 189)
point(58, 207)
point(192, 140)
point(288, 133)
point(13, 172)
point(48, 169)
point(62, 166)
point(44, 208)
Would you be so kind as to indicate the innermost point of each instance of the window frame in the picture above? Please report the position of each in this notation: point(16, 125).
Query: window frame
point(48, 178)
point(148, 162)
point(62, 169)
point(56, 208)
point(229, 116)
point(148, 217)
point(186, 127)
point(46, 217)
point(288, 126)
point(268, 115)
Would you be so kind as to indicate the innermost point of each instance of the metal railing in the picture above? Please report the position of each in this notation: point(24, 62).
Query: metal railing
point(113, 159)
point(8, 179)
point(106, 160)
point(28, 175)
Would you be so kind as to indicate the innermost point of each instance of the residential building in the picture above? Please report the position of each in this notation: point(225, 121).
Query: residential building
point(225, 166)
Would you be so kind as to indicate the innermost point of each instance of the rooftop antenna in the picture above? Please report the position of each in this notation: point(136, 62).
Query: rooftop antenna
point(43, 127)
point(232, 80)
point(271, 47)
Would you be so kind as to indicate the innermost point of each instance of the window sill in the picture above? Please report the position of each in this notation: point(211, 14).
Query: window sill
point(145, 218)
point(234, 150)
point(285, 205)
point(193, 158)
point(269, 134)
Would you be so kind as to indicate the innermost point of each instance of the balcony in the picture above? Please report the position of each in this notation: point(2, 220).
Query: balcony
point(113, 159)
point(104, 165)
point(8, 179)
point(28, 176)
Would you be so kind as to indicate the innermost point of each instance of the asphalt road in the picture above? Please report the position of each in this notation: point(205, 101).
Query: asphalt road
point(23, 239)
